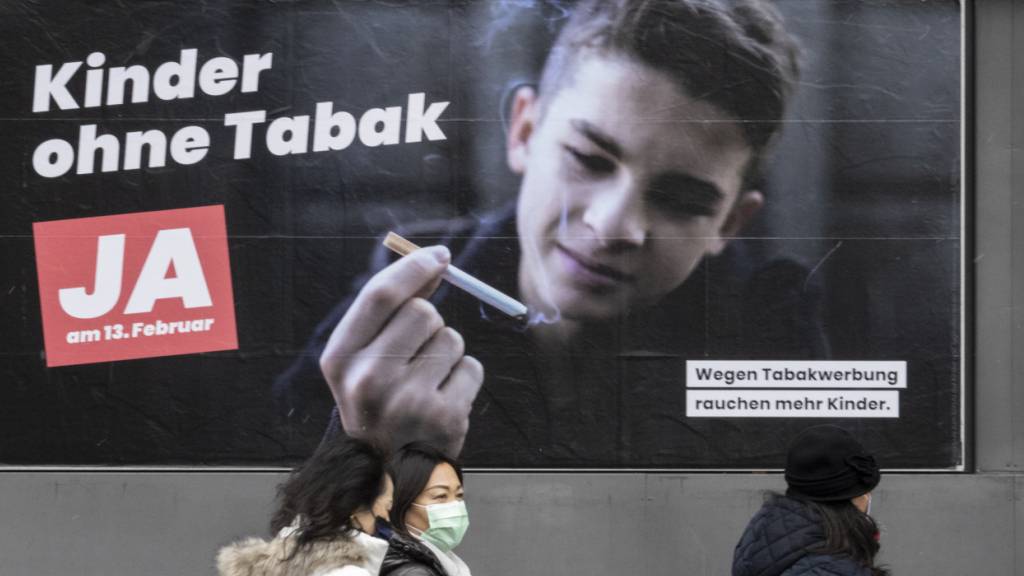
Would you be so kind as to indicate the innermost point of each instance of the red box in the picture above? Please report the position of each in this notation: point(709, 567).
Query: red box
point(135, 285)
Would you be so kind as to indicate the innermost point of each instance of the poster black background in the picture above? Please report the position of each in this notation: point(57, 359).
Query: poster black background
point(865, 190)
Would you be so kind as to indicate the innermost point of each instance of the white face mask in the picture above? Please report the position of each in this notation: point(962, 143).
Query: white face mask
point(868, 511)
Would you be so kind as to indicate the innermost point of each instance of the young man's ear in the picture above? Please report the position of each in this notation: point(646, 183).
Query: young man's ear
point(742, 212)
point(523, 114)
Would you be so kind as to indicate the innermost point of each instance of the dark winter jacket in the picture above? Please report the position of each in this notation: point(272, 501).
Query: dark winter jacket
point(408, 557)
point(779, 541)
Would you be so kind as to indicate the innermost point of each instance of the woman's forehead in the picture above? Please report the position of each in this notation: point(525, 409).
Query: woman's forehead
point(443, 476)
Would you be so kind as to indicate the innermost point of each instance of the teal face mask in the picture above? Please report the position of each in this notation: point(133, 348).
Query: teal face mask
point(448, 524)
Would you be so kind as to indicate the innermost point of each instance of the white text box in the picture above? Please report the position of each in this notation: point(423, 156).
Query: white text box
point(890, 374)
point(792, 404)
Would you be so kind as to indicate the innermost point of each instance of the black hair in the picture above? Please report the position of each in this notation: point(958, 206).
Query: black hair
point(410, 469)
point(733, 54)
point(343, 476)
point(848, 532)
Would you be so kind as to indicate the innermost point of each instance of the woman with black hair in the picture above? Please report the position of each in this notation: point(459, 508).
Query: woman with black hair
point(428, 516)
point(822, 526)
point(326, 520)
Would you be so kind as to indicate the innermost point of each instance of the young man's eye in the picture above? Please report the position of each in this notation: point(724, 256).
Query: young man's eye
point(677, 202)
point(591, 162)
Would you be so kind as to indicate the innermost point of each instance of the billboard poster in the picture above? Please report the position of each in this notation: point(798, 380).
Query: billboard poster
point(655, 235)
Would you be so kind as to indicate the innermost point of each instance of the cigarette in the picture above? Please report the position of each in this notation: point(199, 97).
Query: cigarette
point(460, 278)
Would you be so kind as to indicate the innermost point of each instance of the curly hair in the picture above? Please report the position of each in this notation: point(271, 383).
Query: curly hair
point(343, 476)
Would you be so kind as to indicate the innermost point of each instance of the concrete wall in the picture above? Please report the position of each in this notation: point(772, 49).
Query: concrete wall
point(110, 523)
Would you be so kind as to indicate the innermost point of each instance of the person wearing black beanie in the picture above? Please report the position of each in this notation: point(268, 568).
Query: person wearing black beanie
point(822, 526)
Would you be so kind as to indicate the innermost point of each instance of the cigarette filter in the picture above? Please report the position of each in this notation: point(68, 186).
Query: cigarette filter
point(477, 288)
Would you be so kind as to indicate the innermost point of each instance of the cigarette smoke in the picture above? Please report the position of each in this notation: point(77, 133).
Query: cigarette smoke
point(506, 15)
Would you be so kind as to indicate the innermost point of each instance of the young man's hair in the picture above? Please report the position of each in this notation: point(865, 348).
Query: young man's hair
point(733, 54)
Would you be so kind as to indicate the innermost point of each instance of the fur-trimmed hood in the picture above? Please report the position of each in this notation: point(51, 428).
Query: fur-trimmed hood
point(259, 557)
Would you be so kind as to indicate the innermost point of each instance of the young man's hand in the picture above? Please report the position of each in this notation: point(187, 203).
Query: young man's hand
point(396, 372)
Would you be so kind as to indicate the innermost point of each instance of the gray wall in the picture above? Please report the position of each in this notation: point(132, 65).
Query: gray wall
point(71, 522)
point(158, 523)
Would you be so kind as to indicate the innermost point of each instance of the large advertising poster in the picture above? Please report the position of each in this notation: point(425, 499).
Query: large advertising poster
point(655, 235)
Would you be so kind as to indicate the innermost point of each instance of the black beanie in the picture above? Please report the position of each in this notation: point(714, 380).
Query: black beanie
point(826, 463)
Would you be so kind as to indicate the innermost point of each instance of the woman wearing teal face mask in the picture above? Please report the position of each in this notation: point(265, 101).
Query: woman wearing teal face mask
point(428, 515)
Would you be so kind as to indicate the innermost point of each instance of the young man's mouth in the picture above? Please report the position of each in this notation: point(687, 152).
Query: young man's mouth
point(590, 272)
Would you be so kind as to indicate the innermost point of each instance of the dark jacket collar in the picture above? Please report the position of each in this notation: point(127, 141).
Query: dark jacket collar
point(781, 539)
point(404, 551)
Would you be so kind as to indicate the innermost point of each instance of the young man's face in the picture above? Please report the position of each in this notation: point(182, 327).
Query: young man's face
point(627, 184)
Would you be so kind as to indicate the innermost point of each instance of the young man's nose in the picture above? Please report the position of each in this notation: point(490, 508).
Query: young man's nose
point(616, 216)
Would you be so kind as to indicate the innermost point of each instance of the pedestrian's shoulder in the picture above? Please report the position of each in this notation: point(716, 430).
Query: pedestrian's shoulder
point(409, 569)
point(408, 557)
point(827, 565)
